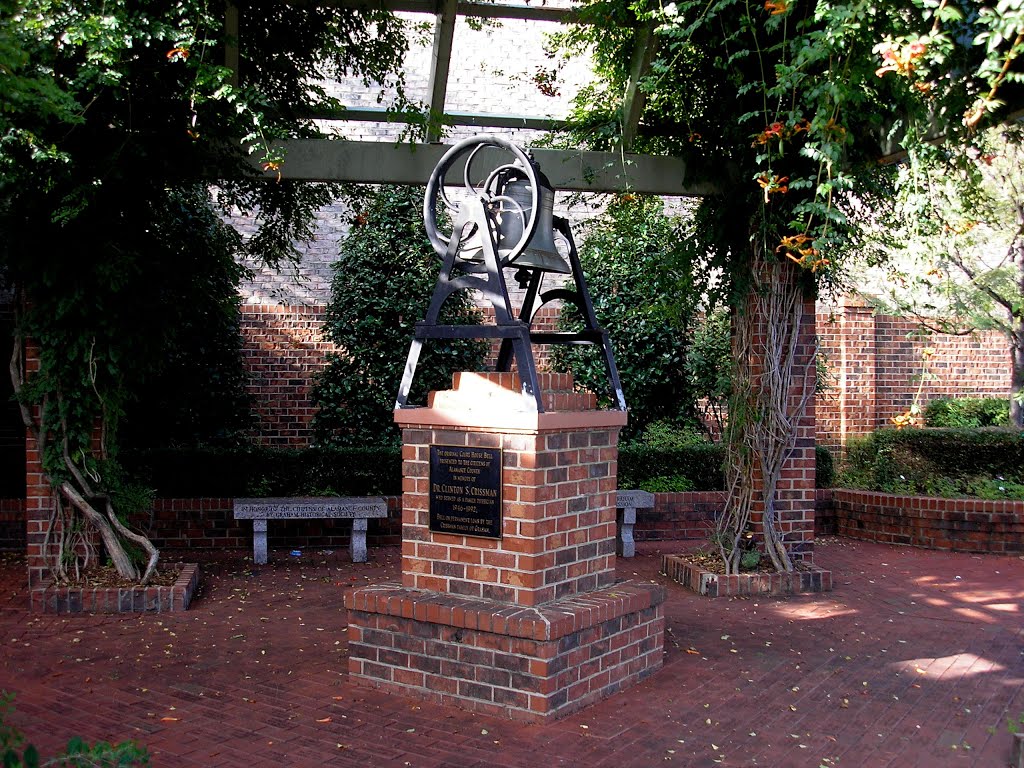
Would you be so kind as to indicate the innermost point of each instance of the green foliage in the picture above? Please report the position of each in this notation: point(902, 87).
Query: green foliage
point(15, 753)
point(382, 285)
point(663, 434)
point(1015, 726)
point(190, 387)
point(114, 118)
point(641, 279)
point(957, 269)
point(750, 560)
point(695, 467)
point(709, 366)
point(787, 106)
point(824, 467)
point(988, 463)
point(260, 471)
point(967, 412)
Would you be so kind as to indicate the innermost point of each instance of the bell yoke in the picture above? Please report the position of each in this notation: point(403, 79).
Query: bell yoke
point(500, 207)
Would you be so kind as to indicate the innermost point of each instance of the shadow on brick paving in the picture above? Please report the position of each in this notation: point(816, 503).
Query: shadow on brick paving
point(915, 659)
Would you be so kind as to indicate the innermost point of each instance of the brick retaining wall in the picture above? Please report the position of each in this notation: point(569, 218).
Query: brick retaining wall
point(12, 524)
point(210, 524)
point(968, 525)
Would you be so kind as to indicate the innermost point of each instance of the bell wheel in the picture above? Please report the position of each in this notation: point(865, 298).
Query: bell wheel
point(480, 168)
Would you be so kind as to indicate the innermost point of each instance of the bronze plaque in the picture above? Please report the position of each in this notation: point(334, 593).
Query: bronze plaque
point(465, 490)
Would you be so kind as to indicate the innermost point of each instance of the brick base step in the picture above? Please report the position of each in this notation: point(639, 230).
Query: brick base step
point(525, 663)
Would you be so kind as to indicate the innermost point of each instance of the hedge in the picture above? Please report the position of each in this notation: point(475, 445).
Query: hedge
point(966, 412)
point(986, 462)
point(260, 471)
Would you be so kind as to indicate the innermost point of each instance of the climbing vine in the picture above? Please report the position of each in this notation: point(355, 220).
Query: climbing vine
point(788, 105)
point(114, 117)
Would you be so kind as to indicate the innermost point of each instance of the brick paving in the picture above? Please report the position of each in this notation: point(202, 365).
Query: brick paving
point(915, 660)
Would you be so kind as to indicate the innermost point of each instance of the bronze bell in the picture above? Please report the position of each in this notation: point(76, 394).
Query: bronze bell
point(541, 252)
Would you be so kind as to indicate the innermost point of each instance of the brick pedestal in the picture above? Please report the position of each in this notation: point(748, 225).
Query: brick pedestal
point(532, 624)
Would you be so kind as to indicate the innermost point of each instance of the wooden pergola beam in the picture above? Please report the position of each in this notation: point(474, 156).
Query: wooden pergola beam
point(370, 162)
point(440, 64)
point(467, 8)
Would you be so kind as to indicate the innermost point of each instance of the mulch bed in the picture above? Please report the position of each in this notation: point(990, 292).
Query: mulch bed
point(106, 576)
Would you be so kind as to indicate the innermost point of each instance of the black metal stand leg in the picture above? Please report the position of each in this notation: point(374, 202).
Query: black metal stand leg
point(527, 368)
point(410, 371)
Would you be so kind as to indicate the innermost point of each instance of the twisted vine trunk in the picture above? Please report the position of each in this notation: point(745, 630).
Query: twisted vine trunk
point(774, 383)
point(1016, 335)
point(72, 548)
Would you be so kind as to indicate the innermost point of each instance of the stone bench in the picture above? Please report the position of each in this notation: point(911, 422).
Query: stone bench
point(627, 503)
point(359, 510)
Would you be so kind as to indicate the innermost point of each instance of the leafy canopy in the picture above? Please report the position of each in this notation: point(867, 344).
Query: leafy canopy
point(114, 118)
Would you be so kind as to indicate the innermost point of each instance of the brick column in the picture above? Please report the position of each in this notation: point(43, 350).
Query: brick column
point(527, 625)
point(38, 506)
point(38, 497)
point(558, 488)
point(794, 497)
point(858, 371)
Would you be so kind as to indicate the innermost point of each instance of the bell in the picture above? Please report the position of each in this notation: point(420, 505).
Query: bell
point(540, 253)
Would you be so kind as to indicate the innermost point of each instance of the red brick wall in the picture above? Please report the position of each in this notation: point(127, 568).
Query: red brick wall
point(283, 349)
point(876, 363)
point(689, 515)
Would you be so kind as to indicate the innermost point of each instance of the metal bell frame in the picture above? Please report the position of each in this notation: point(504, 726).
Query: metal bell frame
point(477, 223)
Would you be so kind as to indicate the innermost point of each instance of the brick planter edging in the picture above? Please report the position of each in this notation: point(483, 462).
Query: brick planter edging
point(810, 578)
point(47, 598)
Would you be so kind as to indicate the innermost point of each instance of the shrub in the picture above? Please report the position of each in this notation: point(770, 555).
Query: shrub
point(937, 462)
point(709, 366)
point(640, 276)
point(691, 468)
point(664, 434)
point(966, 412)
point(383, 281)
point(824, 467)
point(258, 471)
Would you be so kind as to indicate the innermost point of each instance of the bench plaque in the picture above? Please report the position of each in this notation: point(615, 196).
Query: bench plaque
point(465, 491)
